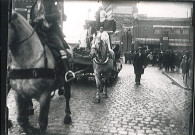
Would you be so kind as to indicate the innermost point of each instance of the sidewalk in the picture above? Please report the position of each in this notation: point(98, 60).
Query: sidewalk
point(177, 79)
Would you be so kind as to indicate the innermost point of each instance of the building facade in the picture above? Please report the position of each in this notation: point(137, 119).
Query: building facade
point(135, 29)
point(124, 13)
point(163, 33)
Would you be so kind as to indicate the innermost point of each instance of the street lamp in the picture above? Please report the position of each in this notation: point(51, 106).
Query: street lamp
point(145, 34)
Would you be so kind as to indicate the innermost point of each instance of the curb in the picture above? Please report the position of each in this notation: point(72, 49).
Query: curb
point(175, 82)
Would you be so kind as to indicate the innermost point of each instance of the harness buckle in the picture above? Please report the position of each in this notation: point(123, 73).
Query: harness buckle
point(35, 73)
point(69, 76)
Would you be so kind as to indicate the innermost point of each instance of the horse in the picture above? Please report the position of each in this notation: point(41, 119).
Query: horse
point(32, 74)
point(102, 66)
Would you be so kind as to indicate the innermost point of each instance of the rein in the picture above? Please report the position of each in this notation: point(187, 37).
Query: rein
point(30, 73)
point(20, 42)
point(31, 63)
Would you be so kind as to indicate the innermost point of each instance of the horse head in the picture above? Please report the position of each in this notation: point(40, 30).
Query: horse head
point(23, 41)
point(99, 50)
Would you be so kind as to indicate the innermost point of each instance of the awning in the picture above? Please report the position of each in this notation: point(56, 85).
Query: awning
point(169, 26)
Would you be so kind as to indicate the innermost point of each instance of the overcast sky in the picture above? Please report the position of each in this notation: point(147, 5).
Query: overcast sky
point(165, 9)
point(77, 13)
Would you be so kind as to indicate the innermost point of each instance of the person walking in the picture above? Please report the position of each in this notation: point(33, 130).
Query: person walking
point(130, 57)
point(185, 67)
point(83, 38)
point(100, 17)
point(150, 58)
point(139, 64)
point(126, 55)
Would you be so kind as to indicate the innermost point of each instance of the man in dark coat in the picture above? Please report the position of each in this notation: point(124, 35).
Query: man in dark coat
point(47, 12)
point(139, 64)
point(126, 55)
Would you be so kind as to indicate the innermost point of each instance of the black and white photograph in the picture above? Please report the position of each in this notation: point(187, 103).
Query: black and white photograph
point(99, 67)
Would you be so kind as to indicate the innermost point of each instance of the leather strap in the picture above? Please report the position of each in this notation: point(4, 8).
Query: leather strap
point(32, 73)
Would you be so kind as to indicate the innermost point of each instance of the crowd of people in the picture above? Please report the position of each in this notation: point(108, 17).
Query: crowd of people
point(171, 61)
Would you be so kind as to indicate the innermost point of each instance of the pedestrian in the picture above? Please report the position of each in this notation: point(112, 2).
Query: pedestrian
point(166, 60)
point(150, 58)
point(100, 16)
point(126, 55)
point(130, 57)
point(83, 38)
point(160, 60)
point(177, 61)
point(45, 15)
point(172, 60)
point(185, 67)
point(103, 17)
point(139, 64)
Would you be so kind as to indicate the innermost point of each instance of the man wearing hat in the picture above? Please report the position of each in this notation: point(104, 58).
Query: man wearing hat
point(45, 15)
point(139, 64)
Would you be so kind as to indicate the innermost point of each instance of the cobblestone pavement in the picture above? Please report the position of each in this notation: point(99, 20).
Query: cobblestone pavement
point(178, 79)
point(156, 107)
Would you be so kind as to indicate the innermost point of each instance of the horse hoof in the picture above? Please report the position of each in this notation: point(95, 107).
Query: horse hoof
point(67, 119)
point(96, 100)
point(105, 96)
point(29, 130)
point(9, 124)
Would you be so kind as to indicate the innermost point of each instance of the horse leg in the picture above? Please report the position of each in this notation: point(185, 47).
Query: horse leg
point(22, 117)
point(105, 82)
point(30, 109)
point(9, 122)
point(104, 88)
point(101, 87)
point(67, 95)
point(98, 85)
point(44, 111)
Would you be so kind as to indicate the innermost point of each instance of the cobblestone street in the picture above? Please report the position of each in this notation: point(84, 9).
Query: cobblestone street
point(156, 107)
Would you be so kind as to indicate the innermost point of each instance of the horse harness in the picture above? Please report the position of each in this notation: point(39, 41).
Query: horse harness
point(97, 61)
point(32, 73)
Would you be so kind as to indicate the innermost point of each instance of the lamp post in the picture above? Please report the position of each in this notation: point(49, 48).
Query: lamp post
point(145, 34)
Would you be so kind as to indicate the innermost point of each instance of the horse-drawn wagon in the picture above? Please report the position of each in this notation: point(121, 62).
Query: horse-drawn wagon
point(82, 66)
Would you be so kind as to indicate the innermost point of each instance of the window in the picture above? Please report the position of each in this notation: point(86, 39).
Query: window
point(157, 31)
point(186, 31)
point(169, 30)
point(177, 31)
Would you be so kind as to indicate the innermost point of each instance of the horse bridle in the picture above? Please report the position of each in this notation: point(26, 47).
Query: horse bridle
point(20, 42)
point(96, 57)
point(15, 30)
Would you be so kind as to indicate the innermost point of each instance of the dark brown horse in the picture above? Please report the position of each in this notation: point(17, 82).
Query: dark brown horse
point(102, 66)
point(30, 76)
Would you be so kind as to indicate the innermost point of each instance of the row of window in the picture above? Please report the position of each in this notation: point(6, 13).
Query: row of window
point(172, 31)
